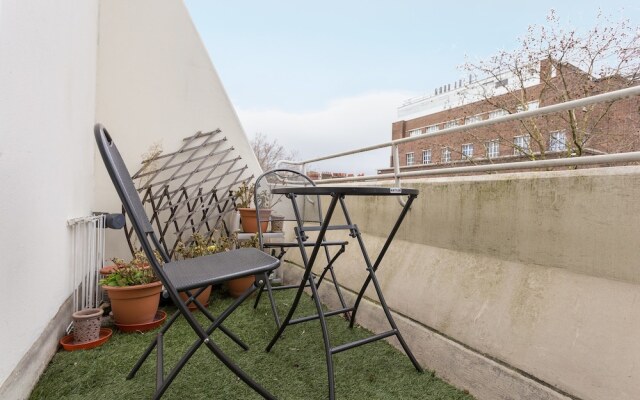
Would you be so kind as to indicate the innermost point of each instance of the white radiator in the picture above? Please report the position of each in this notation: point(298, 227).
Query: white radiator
point(87, 254)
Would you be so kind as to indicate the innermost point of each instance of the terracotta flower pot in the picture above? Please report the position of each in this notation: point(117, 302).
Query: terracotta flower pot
point(203, 298)
point(134, 304)
point(249, 219)
point(86, 325)
point(237, 286)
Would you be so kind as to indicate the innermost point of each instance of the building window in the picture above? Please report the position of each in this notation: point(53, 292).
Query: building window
point(532, 105)
point(433, 128)
point(409, 159)
point(446, 155)
point(557, 141)
point(521, 145)
point(451, 124)
point(467, 151)
point(501, 83)
point(415, 132)
point(472, 119)
point(497, 113)
point(493, 148)
point(426, 156)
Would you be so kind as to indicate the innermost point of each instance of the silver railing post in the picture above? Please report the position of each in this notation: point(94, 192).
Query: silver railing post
point(396, 170)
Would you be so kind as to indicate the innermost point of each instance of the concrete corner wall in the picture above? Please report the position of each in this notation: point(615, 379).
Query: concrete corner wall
point(156, 84)
point(47, 110)
point(533, 275)
point(138, 67)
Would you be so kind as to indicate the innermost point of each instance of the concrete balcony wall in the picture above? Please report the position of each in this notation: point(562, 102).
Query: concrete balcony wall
point(47, 111)
point(156, 84)
point(512, 286)
point(139, 68)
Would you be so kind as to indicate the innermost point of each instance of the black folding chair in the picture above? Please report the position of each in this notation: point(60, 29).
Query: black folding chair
point(190, 276)
point(311, 212)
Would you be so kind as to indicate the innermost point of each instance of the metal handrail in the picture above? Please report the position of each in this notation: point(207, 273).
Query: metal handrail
point(554, 108)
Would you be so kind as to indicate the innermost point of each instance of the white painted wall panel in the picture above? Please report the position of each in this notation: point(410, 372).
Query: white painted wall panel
point(47, 108)
point(156, 83)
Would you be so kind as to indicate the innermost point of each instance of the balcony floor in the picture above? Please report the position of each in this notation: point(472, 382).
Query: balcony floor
point(295, 368)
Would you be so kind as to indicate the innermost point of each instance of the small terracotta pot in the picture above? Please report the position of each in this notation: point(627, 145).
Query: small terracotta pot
point(203, 298)
point(249, 219)
point(134, 304)
point(238, 286)
point(86, 325)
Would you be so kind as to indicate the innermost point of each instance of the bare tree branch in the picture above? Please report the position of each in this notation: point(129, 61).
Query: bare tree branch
point(269, 152)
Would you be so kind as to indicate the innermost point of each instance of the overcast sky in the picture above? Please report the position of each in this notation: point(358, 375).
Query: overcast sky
point(324, 77)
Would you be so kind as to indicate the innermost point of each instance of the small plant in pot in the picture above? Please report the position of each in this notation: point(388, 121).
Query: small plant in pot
point(239, 285)
point(134, 291)
point(198, 246)
point(248, 215)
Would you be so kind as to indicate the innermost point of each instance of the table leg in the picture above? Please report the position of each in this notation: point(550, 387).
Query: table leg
point(372, 276)
point(307, 262)
point(380, 256)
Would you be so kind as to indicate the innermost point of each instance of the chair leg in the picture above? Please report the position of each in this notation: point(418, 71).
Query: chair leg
point(274, 308)
point(203, 338)
point(279, 257)
point(193, 298)
point(152, 345)
point(260, 290)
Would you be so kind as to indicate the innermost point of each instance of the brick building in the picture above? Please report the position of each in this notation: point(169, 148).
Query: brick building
point(598, 129)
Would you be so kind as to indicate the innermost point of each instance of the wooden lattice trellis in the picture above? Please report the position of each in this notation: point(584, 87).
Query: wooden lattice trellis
point(190, 190)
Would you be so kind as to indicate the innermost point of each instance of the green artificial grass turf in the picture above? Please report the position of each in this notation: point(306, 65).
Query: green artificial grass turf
point(294, 369)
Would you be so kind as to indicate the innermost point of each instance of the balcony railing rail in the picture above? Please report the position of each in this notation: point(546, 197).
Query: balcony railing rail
point(519, 165)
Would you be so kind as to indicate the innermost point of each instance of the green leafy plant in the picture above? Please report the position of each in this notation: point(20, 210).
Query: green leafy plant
point(244, 195)
point(132, 273)
point(253, 242)
point(198, 245)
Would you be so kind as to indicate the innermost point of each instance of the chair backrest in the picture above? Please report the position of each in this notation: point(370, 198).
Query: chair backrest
point(129, 197)
point(308, 206)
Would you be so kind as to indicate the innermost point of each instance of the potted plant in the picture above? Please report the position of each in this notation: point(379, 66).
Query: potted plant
point(238, 286)
point(248, 216)
point(134, 291)
point(199, 246)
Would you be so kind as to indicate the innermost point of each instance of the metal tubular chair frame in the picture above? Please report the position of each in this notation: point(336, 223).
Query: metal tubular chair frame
point(190, 276)
point(282, 174)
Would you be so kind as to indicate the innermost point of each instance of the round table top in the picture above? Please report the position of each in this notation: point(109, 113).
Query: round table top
point(346, 190)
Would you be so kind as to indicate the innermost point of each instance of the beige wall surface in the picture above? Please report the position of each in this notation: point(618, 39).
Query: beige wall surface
point(47, 105)
point(156, 84)
point(537, 270)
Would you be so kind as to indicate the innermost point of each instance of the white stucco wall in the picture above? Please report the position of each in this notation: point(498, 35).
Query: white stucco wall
point(47, 104)
point(156, 83)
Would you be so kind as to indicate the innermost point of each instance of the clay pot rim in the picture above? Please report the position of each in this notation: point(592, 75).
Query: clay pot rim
point(134, 287)
point(87, 313)
point(262, 210)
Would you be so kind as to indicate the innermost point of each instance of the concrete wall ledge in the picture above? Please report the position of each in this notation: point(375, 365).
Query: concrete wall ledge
point(535, 273)
point(24, 377)
point(459, 365)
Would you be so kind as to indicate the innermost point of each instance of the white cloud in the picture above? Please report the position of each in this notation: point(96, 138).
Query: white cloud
point(345, 124)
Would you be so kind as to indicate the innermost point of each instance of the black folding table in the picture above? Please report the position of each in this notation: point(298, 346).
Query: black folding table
point(338, 194)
